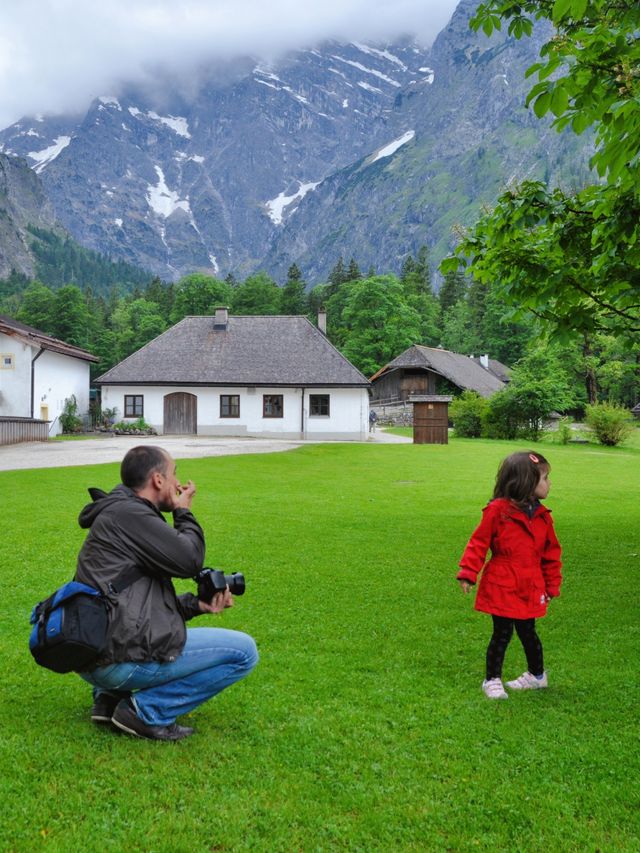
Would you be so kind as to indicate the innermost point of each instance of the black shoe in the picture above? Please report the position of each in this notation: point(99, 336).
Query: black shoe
point(126, 719)
point(104, 705)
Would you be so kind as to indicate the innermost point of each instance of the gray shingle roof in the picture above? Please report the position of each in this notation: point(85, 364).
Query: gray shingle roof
point(251, 351)
point(457, 368)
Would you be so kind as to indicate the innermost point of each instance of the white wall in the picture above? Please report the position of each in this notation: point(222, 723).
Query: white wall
point(15, 382)
point(348, 418)
point(55, 377)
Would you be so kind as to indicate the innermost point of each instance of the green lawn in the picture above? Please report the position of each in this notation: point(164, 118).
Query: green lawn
point(364, 727)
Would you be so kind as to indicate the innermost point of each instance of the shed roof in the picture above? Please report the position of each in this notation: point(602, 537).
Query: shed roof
point(34, 337)
point(248, 351)
point(460, 369)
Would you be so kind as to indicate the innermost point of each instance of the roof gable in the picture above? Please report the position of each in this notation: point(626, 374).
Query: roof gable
point(34, 337)
point(460, 369)
point(264, 350)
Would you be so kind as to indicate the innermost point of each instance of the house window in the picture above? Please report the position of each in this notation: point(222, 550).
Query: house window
point(272, 406)
point(229, 405)
point(6, 361)
point(319, 405)
point(133, 405)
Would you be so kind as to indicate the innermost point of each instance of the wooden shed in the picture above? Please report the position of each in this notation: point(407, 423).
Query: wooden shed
point(430, 418)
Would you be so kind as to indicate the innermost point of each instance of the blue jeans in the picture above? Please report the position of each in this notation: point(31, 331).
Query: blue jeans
point(212, 659)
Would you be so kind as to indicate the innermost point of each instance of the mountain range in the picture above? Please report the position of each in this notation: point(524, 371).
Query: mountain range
point(343, 150)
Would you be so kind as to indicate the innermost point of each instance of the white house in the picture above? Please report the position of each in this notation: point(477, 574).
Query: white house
point(254, 376)
point(38, 373)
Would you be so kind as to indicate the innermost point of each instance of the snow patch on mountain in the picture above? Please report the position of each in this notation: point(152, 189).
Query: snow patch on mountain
point(109, 101)
point(276, 206)
point(268, 74)
point(369, 88)
point(164, 201)
point(392, 147)
point(178, 124)
point(431, 74)
point(383, 54)
point(47, 155)
point(364, 68)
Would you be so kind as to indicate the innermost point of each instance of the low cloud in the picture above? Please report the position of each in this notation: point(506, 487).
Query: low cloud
point(55, 55)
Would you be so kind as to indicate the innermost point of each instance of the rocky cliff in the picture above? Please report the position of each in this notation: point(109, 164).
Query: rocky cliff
point(356, 150)
point(23, 202)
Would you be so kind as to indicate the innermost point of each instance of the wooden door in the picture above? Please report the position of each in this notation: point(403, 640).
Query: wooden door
point(431, 423)
point(180, 414)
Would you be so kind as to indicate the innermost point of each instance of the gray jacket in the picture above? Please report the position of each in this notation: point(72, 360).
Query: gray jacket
point(128, 533)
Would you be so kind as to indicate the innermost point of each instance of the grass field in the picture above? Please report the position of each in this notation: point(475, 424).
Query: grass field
point(364, 727)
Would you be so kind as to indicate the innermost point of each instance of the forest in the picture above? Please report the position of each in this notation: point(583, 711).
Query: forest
point(371, 318)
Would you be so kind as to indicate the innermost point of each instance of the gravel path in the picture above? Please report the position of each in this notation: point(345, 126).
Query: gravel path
point(94, 451)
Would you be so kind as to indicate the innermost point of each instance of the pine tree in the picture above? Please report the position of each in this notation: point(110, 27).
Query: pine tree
point(353, 271)
point(337, 277)
point(416, 273)
point(408, 269)
point(453, 289)
point(231, 280)
point(294, 298)
point(423, 270)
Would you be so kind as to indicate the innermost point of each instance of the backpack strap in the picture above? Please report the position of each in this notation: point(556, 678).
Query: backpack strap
point(124, 580)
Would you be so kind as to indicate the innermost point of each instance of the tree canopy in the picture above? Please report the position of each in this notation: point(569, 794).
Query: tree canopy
point(572, 259)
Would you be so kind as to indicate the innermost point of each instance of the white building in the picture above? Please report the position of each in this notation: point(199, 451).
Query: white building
point(38, 373)
point(254, 376)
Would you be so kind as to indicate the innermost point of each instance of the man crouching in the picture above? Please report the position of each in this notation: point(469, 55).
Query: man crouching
point(154, 668)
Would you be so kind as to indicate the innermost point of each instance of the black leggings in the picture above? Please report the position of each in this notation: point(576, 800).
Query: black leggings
point(502, 633)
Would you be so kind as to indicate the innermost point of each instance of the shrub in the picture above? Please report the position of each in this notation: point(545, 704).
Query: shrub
point(502, 417)
point(69, 418)
point(134, 427)
point(466, 412)
point(108, 416)
point(538, 386)
point(610, 422)
point(565, 433)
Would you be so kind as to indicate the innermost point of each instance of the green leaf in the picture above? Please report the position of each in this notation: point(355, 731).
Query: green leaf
point(559, 101)
point(560, 9)
point(542, 104)
point(580, 122)
point(487, 26)
point(578, 9)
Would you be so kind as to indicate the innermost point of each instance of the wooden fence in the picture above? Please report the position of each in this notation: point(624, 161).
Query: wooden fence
point(16, 430)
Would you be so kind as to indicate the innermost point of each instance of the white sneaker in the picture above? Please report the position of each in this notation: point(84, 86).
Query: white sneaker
point(528, 682)
point(493, 689)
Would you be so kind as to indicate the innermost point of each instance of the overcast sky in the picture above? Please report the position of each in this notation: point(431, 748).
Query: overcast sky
point(56, 55)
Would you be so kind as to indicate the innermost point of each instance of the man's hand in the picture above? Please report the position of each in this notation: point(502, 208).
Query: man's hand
point(185, 495)
point(218, 603)
point(465, 586)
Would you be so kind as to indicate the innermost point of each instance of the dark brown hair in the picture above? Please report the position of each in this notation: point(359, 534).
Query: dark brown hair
point(518, 476)
point(140, 462)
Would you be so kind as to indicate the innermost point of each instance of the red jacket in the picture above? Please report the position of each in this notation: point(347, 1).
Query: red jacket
point(525, 561)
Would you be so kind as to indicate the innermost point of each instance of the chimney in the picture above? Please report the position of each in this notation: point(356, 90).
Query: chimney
point(484, 361)
point(322, 321)
point(221, 319)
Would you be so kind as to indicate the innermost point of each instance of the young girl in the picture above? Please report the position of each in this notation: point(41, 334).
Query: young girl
point(523, 573)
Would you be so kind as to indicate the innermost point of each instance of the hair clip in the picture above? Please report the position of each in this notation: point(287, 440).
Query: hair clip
point(534, 458)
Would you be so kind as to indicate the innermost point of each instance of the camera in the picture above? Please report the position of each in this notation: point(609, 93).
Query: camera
point(212, 581)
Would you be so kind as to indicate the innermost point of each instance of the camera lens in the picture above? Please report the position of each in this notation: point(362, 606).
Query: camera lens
point(236, 583)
